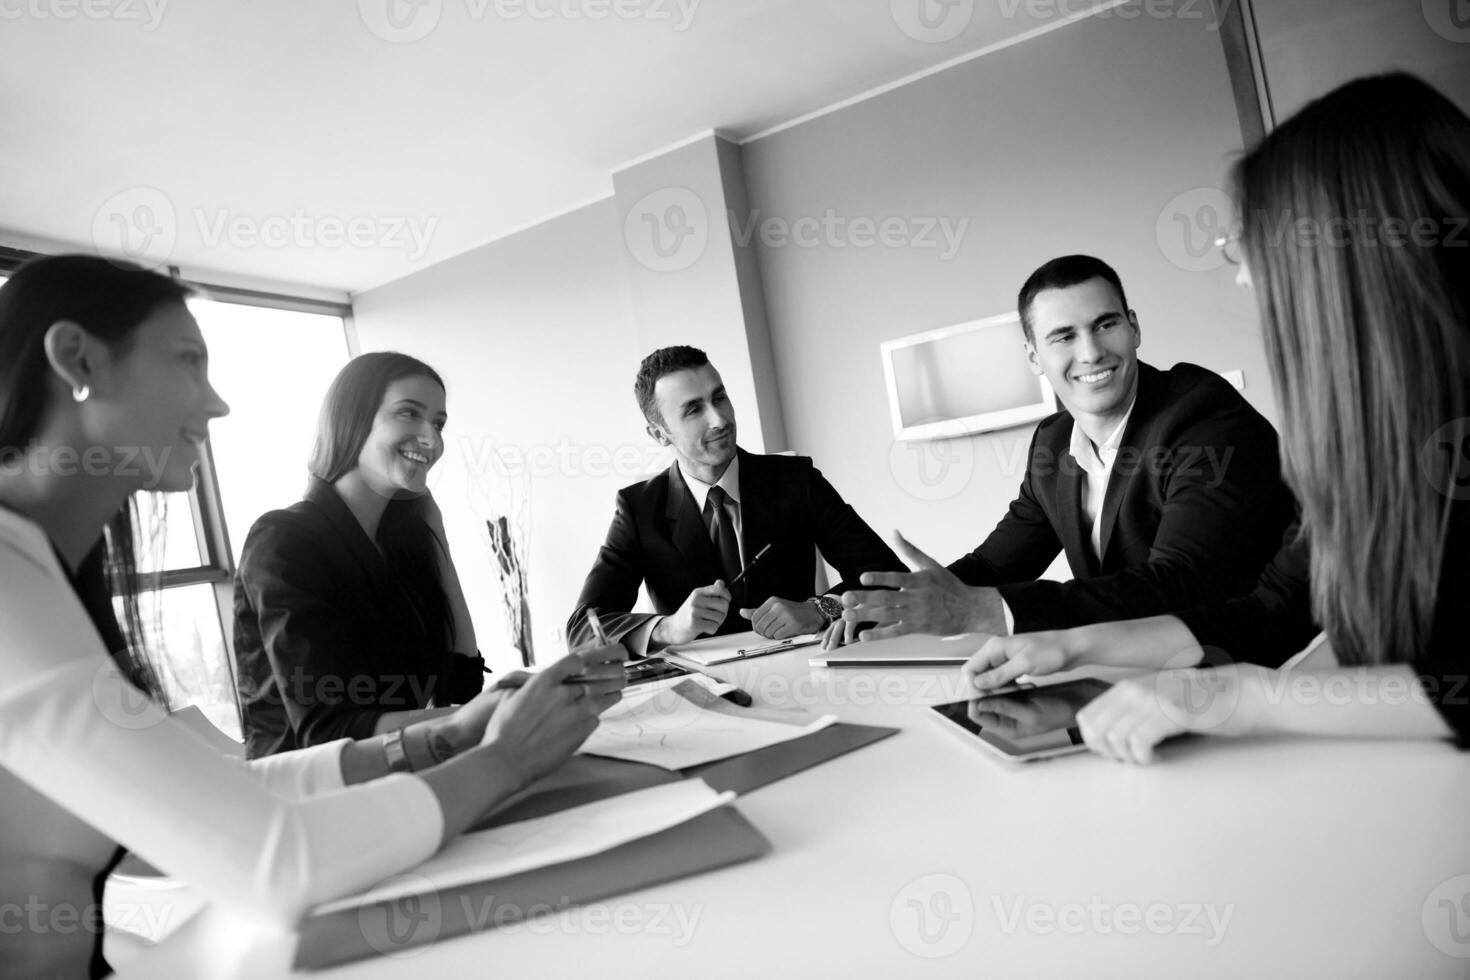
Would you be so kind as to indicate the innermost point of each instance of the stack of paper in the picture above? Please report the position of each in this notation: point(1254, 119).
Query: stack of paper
point(711, 650)
point(686, 725)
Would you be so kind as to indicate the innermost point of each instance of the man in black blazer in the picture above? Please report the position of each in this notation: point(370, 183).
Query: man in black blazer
point(689, 531)
point(1163, 488)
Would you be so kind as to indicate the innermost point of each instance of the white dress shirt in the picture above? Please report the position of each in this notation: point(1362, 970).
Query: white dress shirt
point(85, 761)
point(637, 641)
point(1097, 463)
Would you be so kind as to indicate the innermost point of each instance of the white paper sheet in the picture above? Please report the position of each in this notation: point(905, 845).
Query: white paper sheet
point(552, 839)
point(684, 725)
point(710, 650)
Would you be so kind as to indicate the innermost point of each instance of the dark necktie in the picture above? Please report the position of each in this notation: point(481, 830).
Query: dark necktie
point(721, 526)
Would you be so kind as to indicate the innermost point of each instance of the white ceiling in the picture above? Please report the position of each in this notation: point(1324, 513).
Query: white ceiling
point(251, 137)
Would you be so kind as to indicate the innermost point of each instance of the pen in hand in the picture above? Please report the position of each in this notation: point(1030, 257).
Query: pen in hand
point(600, 636)
point(758, 556)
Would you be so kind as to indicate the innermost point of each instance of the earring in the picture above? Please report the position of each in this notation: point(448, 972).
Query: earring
point(81, 393)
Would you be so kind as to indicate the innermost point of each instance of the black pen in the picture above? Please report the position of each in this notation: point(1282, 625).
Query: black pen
point(758, 556)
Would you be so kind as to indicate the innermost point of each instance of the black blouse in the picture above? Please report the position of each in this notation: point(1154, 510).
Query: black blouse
point(328, 637)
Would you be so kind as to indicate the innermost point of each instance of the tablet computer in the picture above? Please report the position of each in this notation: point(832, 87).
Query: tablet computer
point(913, 650)
point(1024, 724)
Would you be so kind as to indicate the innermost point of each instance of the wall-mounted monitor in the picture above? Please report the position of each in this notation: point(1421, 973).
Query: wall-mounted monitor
point(960, 380)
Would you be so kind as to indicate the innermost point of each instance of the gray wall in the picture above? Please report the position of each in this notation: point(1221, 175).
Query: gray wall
point(1108, 137)
point(535, 338)
point(1311, 46)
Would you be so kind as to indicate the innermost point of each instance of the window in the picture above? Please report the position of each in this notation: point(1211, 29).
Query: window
point(273, 367)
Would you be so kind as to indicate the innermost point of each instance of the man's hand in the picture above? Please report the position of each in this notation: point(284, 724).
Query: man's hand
point(780, 618)
point(1004, 659)
point(840, 633)
point(929, 600)
point(702, 613)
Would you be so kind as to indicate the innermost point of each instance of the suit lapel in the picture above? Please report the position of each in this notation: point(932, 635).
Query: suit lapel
point(1130, 447)
point(363, 551)
point(687, 530)
point(756, 517)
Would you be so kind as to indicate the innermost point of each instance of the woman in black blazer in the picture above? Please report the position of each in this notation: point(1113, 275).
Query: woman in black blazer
point(349, 617)
point(1352, 236)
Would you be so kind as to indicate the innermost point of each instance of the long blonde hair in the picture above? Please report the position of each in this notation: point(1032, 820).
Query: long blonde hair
point(1367, 335)
point(1367, 329)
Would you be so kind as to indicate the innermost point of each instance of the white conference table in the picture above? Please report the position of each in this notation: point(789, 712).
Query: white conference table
point(1225, 858)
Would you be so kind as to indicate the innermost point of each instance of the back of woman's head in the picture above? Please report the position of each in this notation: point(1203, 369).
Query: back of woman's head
point(1353, 226)
point(351, 404)
point(108, 299)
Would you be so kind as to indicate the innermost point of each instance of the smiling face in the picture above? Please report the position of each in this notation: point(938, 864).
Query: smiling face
point(698, 420)
point(157, 393)
point(406, 439)
point(1086, 344)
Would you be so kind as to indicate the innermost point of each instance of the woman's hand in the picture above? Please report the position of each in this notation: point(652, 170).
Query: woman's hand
point(1005, 658)
point(539, 725)
point(1133, 716)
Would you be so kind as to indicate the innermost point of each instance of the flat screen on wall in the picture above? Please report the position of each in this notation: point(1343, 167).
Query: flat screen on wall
point(960, 380)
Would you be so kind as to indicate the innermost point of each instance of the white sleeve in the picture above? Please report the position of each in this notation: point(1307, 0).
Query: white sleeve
point(268, 841)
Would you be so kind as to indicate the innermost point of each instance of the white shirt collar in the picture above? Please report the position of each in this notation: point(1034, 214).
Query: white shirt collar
point(1081, 448)
point(729, 482)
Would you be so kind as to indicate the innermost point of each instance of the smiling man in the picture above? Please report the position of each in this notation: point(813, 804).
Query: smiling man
point(688, 532)
point(1162, 487)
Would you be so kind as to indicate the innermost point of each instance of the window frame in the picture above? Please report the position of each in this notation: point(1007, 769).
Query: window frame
point(206, 501)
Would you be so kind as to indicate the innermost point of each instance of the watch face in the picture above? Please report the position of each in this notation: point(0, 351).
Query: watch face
point(831, 607)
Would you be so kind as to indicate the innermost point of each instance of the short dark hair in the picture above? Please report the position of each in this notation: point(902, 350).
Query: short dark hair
point(1060, 273)
point(665, 360)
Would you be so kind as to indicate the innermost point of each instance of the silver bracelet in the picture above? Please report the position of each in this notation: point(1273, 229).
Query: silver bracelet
point(394, 753)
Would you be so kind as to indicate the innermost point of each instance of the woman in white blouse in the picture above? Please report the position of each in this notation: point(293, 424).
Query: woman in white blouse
point(103, 392)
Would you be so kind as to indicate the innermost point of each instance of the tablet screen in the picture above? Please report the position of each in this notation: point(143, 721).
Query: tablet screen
point(1029, 721)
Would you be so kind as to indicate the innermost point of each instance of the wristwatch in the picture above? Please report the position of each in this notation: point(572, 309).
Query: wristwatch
point(830, 606)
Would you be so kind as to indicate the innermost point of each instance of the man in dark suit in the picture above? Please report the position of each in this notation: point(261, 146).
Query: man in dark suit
point(1163, 488)
point(688, 532)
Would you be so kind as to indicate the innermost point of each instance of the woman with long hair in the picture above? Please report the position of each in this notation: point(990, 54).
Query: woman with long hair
point(102, 365)
point(349, 617)
point(1352, 233)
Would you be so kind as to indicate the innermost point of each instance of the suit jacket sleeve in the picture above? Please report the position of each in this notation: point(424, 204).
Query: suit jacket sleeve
point(304, 631)
point(612, 586)
point(1270, 624)
point(1022, 545)
point(1223, 507)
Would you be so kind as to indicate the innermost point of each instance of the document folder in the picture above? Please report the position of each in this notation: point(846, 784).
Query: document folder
point(713, 840)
